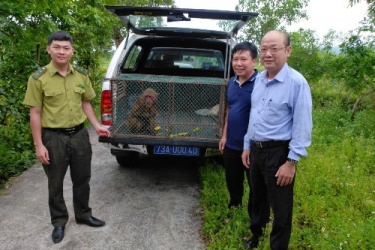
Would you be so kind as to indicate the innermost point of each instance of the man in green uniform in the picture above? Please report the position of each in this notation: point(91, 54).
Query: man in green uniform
point(59, 99)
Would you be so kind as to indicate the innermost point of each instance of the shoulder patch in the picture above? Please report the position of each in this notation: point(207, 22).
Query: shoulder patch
point(81, 70)
point(39, 73)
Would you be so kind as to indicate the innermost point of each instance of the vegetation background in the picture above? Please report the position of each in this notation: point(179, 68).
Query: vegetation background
point(334, 192)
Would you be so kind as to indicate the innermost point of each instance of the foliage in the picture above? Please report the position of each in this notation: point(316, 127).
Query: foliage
point(118, 30)
point(358, 61)
point(305, 55)
point(15, 153)
point(351, 70)
point(24, 29)
point(368, 23)
point(272, 15)
point(334, 196)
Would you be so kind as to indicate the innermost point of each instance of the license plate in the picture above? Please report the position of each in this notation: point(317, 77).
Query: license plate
point(176, 150)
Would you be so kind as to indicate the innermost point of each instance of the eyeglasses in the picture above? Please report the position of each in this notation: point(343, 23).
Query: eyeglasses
point(272, 50)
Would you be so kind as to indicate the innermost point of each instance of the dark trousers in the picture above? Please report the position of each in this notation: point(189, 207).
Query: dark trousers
point(264, 164)
point(74, 151)
point(234, 176)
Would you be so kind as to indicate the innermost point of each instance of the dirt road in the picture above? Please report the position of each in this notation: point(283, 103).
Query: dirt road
point(151, 206)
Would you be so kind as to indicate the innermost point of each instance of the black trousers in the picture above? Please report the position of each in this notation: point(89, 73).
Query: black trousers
point(264, 164)
point(234, 176)
point(74, 151)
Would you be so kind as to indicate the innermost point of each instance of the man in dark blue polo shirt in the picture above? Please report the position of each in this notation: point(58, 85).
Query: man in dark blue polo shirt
point(239, 92)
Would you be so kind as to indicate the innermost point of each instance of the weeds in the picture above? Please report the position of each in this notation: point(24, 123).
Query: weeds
point(334, 190)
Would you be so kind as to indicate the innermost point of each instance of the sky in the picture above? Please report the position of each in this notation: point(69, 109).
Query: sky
point(323, 14)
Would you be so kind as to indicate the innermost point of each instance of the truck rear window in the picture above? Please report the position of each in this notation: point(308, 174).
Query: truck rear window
point(187, 58)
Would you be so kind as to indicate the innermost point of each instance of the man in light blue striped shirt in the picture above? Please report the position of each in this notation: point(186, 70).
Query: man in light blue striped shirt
point(278, 135)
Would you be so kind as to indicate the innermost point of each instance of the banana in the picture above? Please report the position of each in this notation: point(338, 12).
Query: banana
point(157, 128)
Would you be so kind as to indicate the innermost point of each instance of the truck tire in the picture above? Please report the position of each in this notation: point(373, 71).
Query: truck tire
point(127, 160)
point(202, 156)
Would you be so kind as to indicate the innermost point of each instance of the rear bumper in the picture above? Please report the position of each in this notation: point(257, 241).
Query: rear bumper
point(181, 141)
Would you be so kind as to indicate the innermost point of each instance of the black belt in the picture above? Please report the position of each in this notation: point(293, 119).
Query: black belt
point(67, 131)
point(267, 144)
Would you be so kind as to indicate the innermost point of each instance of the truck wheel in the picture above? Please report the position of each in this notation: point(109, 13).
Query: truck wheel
point(127, 160)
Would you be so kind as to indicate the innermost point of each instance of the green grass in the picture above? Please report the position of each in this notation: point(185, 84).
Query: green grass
point(334, 191)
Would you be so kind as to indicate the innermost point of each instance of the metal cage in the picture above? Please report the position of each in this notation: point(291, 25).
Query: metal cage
point(188, 109)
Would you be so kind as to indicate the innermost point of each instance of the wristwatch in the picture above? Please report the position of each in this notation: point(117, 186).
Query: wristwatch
point(294, 162)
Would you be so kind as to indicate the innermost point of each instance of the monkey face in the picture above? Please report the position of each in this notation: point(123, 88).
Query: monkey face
point(149, 96)
point(149, 99)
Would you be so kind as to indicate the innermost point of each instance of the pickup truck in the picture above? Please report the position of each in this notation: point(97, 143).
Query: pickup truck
point(165, 88)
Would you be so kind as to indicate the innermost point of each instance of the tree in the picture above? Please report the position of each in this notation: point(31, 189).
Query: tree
point(118, 30)
point(371, 9)
point(357, 64)
point(24, 28)
point(306, 56)
point(273, 14)
point(368, 23)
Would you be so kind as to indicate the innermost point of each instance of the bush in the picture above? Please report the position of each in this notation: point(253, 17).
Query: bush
point(16, 150)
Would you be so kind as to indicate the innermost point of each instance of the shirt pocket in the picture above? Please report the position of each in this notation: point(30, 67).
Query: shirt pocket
point(54, 97)
point(277, 113)
point(78, 93)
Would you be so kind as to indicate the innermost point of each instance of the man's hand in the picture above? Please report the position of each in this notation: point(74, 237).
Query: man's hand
point(246, 158)
point(285, 174)
point(42, 155)
point(222, 144)
point(102, 131)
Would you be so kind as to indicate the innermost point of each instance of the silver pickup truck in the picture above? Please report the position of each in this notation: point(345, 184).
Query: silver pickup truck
point(164, 91)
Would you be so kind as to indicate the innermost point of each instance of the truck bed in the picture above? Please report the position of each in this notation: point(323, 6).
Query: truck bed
point(180, 117)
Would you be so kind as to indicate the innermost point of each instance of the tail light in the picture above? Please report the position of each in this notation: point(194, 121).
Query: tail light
point(106, 108)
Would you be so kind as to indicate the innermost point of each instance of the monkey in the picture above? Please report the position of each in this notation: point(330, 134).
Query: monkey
point(143, 113)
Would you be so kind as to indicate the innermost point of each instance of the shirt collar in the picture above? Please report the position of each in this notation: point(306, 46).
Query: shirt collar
point(282, 73)
point(251, 78)
point(279, 76)
point(52, 69)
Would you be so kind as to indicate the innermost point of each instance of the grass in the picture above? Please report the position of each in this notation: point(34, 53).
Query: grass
point(334, 191)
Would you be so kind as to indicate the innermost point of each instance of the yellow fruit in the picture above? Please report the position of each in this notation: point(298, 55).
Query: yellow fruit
point(157, 128)
point(197, 129)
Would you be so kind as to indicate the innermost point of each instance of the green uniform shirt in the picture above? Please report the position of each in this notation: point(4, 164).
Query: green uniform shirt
point(59, 97)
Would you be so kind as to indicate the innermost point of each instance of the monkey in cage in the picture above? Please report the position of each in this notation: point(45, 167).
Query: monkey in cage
point(143, 113)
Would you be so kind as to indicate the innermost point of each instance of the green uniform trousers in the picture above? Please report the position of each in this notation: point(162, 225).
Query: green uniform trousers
point(73, 151)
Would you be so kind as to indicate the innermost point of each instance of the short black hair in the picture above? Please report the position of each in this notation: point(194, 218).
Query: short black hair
point(246, 46)
point(60, 36)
